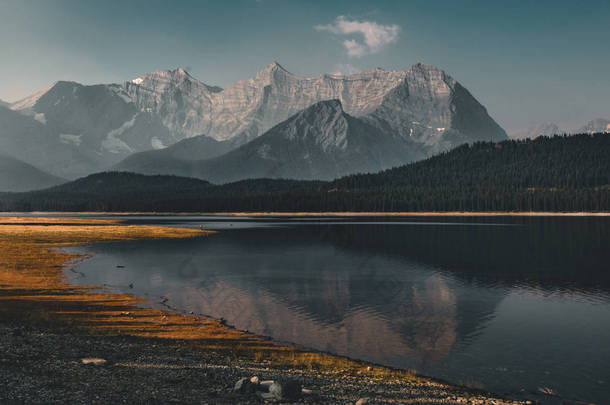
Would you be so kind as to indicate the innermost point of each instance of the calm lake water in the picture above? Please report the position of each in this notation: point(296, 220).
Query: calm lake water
point(505, 304)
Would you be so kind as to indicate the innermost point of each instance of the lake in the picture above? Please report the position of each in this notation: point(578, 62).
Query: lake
point(502, 303)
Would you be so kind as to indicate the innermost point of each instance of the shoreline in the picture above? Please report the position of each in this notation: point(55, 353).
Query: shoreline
point(322, 214)
point(34, 292)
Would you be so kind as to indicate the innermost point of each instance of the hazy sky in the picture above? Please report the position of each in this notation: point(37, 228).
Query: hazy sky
point(526, 61)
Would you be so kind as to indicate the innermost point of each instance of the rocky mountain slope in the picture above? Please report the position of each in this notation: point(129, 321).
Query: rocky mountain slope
point(100, 122)
point(27, 139)
point(16, 176)
point(320, 142)
point(182, 103)
point(93, 127)
point(423, 103)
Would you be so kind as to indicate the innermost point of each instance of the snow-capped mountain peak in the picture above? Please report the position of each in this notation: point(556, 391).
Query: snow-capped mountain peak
point(421, 106)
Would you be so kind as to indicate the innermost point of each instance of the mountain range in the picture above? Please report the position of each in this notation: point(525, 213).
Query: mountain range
point(321, 142)
point(550, 128)
point(265, 124)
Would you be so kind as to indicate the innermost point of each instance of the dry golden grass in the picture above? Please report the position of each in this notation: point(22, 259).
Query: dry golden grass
point(355, 214)
point(33, 288)
point(72, 221)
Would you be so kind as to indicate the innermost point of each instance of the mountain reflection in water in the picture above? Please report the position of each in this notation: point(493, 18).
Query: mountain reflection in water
point(423, 296)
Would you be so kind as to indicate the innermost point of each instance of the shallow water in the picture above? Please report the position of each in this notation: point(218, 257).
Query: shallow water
point(500, 303)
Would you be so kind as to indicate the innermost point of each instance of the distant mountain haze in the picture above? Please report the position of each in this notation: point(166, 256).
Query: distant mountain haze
point(596, 125)
point(73, 130)
point(178, 159)
point(29, 140)
point(16, 176)
point(549, 128)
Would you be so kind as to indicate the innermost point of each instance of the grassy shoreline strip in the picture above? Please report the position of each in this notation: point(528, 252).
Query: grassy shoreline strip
point(33, 289)
point(315, 214)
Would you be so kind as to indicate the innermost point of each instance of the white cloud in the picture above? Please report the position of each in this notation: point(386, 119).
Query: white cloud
point(375, 36)
point(345, 69)
point(354, 48)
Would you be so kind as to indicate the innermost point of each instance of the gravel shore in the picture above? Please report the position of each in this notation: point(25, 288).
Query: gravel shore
point(48, 328)
point(43, 365)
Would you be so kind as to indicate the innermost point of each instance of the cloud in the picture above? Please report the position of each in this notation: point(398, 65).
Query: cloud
point(355, 48)
point(375, 36)
point(345, 69)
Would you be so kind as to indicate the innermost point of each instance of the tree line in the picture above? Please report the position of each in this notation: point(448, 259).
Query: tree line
point(559, 173)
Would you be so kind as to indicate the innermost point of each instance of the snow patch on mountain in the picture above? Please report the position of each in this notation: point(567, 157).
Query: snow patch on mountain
point(156, 143)
point(113, 143)
point(71, 139)
point(40, 117)
point(124, 127)
point(119, 91)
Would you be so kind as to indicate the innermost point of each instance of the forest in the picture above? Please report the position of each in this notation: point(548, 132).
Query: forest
point(559, 173)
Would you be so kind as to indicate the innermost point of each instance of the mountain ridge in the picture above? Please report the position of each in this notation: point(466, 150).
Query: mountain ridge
point(320, 142)
point(423, 106)
point(165, 90)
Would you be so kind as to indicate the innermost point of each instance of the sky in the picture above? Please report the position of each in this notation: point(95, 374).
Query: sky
point(527, 62)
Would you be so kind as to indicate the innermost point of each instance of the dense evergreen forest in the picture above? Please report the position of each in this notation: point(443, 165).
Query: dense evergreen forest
point(560, 173)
